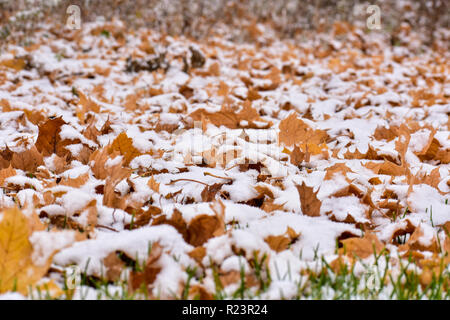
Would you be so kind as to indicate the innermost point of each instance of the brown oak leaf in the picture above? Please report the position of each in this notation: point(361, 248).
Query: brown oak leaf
point(49, 140)
point(308, 199)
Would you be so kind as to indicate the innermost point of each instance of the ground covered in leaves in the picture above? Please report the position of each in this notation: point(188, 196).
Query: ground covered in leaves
point(168, 168)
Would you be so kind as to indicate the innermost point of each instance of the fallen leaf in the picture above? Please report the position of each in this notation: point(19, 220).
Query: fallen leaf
point(391, 169)
point(124, 145)
point(199, 292)
point(142, 218)
point(203, 227)
point(152, 184)
point(145, 278)
point(28, 160)
point(91, 132)
point(337, 168)
point(16, 63)
point(362, 247)
point(6, 173)
point(176, 221)
point(225, 117)
point(198, 254)
point(17, 270)
point(295, 131)
point(278, 243)
point(87, 105)
point(209, 192)
point(234, 276)
point(75, 182)
point(49, 140)
point(414, 242)
point(48, 289)
point(298, 157)
point(308, 199)
point(98, 161)
point(269, 206)
point(114, 266)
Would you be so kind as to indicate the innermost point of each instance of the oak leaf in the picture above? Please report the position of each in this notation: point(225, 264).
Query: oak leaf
point(87, 105)
point(337, 168)
point(176, 221)
point(75, 182)
point(6, 173)
point(203, 227)
point(308, 199)
point(145, 278)
point(269, 206)
point(298, 157)
point(278, 243)
point(209, 192)
point(295, 131)
point(114, 266)
point(124, 145)
point(152, 184)
point(226, 117)
point(282, 242)
point(198, 254)
point(49, 140)
point(415, 243)
point(28, 160)
point(362, 247)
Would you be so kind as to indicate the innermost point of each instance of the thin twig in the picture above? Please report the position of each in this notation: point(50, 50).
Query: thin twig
point(105, 227)
point(191, 180)
point(213, 175)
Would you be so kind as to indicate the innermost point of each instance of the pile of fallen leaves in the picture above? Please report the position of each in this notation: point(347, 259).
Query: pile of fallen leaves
point(123, 148)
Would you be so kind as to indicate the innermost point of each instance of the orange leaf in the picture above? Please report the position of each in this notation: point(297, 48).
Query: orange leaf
point(278, 243)
point(124, 145)
point(338, 168)
point(153, 184)
point(6, 173)
point(16, 63)
point(295, 131)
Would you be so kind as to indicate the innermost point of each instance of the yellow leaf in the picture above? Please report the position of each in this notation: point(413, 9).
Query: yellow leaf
point(16, 64)
point(17, 271)
point(49, 289)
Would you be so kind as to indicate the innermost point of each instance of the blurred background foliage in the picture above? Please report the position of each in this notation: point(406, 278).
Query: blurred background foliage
point(202, 18)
